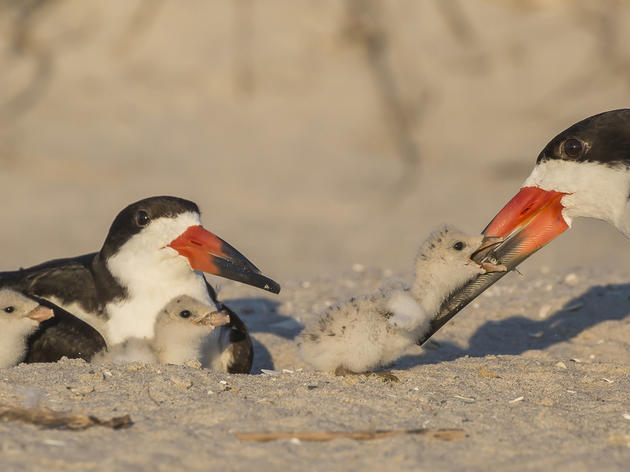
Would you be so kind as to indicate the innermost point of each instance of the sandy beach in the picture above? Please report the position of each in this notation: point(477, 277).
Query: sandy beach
point(533, 376)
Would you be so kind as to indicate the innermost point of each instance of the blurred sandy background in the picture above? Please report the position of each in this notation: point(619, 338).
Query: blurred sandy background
point(313, 134)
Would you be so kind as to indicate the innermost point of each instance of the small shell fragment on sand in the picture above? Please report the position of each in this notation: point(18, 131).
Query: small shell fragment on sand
point(516, 400)
point(466, 399)
point(560, 365)
point(270, 372)
point(544, 311)
point(53, 442)
point(571, 279)
point(81, 389)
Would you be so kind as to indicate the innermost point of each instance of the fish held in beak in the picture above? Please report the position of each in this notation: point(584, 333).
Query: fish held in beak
point(214, 319)
point(526, 223)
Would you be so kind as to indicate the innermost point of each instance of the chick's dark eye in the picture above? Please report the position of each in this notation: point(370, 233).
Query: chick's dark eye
point(458, 246)
point(572, 147)
point(185, 314)
point(142, 218)
point(9, 309)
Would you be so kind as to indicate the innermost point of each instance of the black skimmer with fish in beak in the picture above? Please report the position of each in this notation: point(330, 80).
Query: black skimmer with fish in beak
point(367, 332)
point(156, 250)
point(583, 172)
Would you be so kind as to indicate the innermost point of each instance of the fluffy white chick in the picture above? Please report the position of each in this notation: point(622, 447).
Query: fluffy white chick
point(180, 331)
point(19, 318)
point(367, 332)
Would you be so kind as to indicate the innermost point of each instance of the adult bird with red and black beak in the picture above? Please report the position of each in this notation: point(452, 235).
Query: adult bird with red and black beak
point(156, 250)
point(583, 172)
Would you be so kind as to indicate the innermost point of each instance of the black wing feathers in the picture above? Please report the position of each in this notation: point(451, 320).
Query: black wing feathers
point(63, 335)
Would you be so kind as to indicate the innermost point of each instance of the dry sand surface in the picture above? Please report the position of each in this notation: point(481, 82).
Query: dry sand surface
point(317, 155)
point(534, 376)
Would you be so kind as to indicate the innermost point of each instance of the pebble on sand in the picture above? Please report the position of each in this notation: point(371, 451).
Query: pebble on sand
point(571, 279)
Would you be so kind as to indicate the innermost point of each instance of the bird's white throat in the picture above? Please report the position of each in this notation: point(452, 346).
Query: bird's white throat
point(595, 190)
point(153, 275)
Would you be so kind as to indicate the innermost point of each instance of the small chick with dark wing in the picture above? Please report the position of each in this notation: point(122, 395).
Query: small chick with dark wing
point(20, 317)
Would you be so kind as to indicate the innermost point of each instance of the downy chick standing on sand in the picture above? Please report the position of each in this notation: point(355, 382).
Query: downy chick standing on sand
point(19, 318)
point(367, 332)
point(180, 331)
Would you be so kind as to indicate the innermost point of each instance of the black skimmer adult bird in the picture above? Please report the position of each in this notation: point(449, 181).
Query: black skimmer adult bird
point(156, 250)
point(367, 332)
point(582, 172)
point(20, 317)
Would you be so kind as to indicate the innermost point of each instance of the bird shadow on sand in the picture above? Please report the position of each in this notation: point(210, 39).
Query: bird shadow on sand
point(517, 334)
point(261, 316)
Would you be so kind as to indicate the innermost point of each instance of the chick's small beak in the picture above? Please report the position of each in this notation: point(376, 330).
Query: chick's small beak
point(214, 319)
point(41, 313)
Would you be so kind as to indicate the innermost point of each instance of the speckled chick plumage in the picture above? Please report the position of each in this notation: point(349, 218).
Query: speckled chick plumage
point(364, 333)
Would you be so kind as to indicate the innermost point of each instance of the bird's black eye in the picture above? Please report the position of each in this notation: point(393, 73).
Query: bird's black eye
point(142, 218)
point(9, 309)
point(458, 246)
point(572, 147)
point(185, 314)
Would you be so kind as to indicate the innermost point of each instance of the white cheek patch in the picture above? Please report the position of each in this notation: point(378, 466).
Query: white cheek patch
point(153, 275)
point(147, 251)
point(597, 191)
